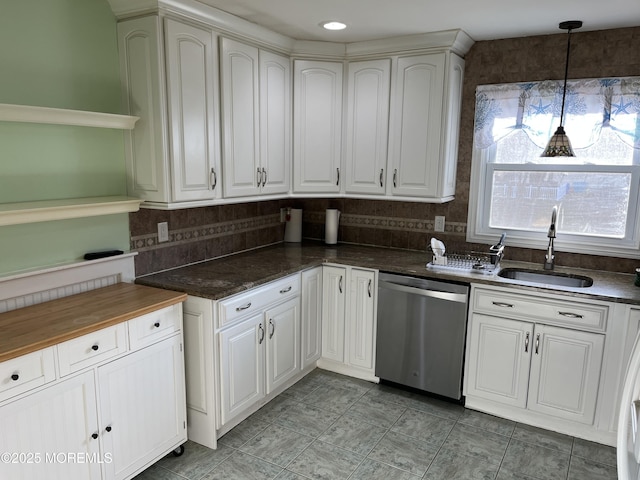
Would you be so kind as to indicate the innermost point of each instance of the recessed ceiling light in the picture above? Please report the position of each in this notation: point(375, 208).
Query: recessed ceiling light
point(333, 25)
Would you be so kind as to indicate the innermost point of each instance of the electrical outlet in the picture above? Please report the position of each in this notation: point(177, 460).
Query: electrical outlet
point(163, 232)
point(283, 215)
point(438, 224)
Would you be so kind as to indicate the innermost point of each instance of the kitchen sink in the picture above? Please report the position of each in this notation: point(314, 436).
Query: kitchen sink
point(546, 278)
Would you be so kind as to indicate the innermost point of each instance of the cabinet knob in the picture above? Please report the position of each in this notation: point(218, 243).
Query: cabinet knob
point(157, 324)
point(108, 429)
point(94, 435)
point(95, 348)
point(15, 377)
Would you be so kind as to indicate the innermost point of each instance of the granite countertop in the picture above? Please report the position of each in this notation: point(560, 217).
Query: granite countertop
point(219, 278)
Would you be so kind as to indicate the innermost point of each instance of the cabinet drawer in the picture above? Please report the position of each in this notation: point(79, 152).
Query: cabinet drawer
point(256, 299)
point(93, 348)
point(27, 372)
point(154, 326)
point(552, 310)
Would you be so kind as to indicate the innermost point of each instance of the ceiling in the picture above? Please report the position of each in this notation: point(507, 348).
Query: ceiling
point(374, 19)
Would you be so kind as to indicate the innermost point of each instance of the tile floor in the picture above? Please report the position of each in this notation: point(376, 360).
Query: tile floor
point(328, 426)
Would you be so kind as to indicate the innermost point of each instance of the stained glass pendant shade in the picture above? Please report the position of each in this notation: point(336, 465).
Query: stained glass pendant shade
point(559, 144)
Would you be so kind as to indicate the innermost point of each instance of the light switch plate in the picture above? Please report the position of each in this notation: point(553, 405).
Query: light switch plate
point(438, 224)
point(163, 232)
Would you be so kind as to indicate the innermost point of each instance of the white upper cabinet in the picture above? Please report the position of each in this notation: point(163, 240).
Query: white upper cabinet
point(173, 152)
point(367, 126)
point(240, 107)
point(424, 126)
point(256, 120)
point(275, 122)
point(317, 117)
point(191, 88)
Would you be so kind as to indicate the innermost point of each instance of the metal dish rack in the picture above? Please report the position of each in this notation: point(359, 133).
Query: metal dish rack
point(468, 262)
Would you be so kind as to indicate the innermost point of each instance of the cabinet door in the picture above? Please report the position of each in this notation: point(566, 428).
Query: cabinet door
point(240, 118)
point(367, 126)
point(144, 96)
point(191, 88)
point(565, 373)
point(311, 316)
point(499, 359)
point(361, 318)
point(417, 118)
point(317, 114)
point(42, 429)
point(275, 122)
point(283, 343)
point(142, 407)
point(334, 285)
point(241, 366)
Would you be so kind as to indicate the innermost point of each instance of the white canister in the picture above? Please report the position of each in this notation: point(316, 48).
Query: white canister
point(293, 229)
point(332, 220)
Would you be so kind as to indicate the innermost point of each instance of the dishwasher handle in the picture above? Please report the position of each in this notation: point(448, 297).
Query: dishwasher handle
point(452, 297)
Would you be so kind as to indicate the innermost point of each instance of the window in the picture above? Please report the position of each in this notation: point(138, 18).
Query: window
point(597, 192)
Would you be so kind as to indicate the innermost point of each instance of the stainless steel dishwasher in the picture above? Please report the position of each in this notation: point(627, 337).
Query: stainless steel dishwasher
point(421, 333)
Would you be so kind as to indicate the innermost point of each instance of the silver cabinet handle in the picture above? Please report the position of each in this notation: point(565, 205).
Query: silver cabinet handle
point(337, 176)
point(272, 328)
point(264, 177)
point(243, 307)
point(286, 290)
point(381, 175)
point(213, 179)
point(503, 305)
point(261, 338)
point(570, 314)
point(395, 177)
point(340, 284)
point(259, 176)
point(369, 288)
point(526, 343)
point(537, 343)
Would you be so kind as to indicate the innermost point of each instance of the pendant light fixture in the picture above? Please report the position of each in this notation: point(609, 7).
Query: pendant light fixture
point(559, 144)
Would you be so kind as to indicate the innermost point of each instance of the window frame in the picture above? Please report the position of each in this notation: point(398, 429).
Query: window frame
point(480, 191)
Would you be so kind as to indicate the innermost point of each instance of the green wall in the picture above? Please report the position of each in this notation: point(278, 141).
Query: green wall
point(63, 54)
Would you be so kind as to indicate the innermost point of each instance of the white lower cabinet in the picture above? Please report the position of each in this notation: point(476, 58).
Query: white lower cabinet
point(39, 431)
point(111, 419)
point(311, 316)
point(547, 369)
point(257, 356)
point(241, 352)
point(349, 297)
point(241, 366)
point(142, 407)
point(537, 359)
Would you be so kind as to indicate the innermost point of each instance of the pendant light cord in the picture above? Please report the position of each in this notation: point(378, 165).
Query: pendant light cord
point(566, 73)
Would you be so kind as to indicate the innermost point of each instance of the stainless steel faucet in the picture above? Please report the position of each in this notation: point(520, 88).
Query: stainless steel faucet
point(550, 256)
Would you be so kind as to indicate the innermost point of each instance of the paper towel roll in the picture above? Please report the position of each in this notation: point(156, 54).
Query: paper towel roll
point(331, 226)
point(293, 229)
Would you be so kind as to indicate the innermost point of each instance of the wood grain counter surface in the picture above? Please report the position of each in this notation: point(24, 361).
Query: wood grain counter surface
point(29, 329)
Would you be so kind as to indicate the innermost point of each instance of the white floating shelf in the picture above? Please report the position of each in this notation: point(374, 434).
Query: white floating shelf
point(44, 211)
point(61, 116)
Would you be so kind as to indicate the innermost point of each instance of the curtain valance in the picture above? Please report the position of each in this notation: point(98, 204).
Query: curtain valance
point(534, 107)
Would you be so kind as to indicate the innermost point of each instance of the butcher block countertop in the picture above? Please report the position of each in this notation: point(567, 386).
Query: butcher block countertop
point(29, 329)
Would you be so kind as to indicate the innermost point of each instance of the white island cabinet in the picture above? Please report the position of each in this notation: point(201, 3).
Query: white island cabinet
point(109, 411)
